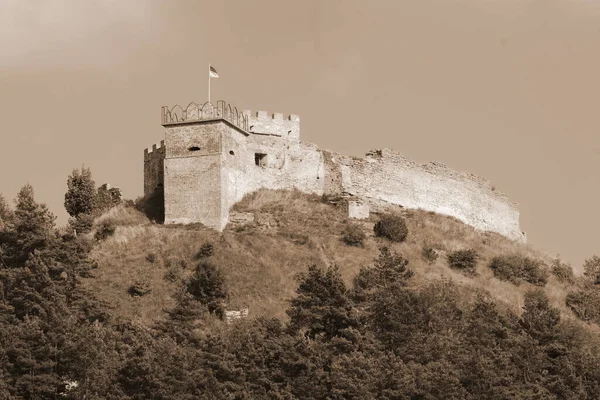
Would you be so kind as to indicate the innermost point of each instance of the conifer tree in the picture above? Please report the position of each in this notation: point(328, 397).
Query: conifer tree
point(322, 306)
point(33, 225)
point(81, 193)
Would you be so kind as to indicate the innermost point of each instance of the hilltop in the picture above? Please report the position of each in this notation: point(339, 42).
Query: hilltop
point(290, 231)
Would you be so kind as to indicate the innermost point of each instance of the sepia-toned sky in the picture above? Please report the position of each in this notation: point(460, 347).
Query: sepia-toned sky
point(505, 89)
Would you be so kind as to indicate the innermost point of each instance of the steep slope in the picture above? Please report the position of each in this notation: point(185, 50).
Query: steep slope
point(274, 236)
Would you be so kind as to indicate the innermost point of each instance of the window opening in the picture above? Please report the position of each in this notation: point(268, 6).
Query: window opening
point(193, 148)
point(260, 159)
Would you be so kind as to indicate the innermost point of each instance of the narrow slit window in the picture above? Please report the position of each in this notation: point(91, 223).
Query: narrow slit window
point(194, 148)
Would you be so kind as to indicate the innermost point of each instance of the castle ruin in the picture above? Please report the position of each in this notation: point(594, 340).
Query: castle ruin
point(213, 155)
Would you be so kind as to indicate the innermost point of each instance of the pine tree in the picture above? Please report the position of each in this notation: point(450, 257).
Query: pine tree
point(81, 193)
point(33, 226)
point(322, 306)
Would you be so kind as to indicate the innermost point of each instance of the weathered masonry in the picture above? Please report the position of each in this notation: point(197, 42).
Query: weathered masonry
point(213, 155)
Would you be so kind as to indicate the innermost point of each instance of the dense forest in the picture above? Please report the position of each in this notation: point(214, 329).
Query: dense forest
point(385, 330)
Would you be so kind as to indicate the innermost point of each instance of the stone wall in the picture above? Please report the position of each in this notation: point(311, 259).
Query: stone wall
point(210, 165)
point(153, 167)
point(386, 175)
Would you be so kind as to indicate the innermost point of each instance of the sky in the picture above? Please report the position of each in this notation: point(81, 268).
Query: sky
point(505, 89)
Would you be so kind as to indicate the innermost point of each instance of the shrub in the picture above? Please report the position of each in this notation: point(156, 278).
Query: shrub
point(464, 260)
point(429, 254)
point(353, 235)
point(104, 230)
point(563, 271)
point(151, 258)
point(140, 288)
point(585, 303)
point(591, 270)
point(207, 285)
point(153, 205)
point(172, 274)
point(82, 223)
point(205, 251)
point(516, 268)
point(392, 227)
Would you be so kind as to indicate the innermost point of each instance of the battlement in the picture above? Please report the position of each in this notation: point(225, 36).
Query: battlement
point(154, 150)
point(195, 112)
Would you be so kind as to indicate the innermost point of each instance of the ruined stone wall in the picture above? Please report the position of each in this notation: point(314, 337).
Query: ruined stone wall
point(210, 165)
point(388, 176)
point(154, 167)
point(286, 162)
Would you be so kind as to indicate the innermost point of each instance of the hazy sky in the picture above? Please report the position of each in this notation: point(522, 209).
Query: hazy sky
point(506, 89)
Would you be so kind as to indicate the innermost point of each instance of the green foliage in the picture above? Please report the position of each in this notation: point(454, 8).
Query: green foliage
point(322, 306)
point(591, 270)
point(392, 227)
point(208, 286)
point(354, 235)
point(562, 271)
point(105, 230)
point(81, 193)
point(516, 268)
point(464, 260)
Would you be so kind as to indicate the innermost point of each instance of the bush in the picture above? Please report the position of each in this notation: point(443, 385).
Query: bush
point(207, 285)
point(82, 223)
point(104, 230)
point(140, 288)
point(429, 254)
point(392, 227)
point(353, 235)
point(517, 268)
point(153, 205)
point(151, 258)
point(591, 270)
point(205, 251)
point(464, 260)
point(585, 303)
point(173, 274)
point(563, 271)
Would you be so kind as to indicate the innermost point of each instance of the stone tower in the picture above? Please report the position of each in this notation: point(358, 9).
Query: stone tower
point(213, 155)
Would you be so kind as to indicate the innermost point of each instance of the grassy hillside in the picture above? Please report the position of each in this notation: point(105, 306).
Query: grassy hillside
point(291, 230)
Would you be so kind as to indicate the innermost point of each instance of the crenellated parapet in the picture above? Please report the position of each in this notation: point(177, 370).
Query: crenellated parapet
point(155, 151)
point(263, 123)
point(260, 123)
point(195, 112)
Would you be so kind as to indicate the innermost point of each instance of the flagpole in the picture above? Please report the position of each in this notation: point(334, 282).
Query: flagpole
point(209, 82)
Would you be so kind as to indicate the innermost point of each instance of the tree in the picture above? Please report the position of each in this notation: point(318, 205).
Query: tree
point(107, 197)
point(33, 226)
point(591, 269)
point(81, 193)
point(540, 319)
point(207, 285)
point(322, 306)
point(390, 268)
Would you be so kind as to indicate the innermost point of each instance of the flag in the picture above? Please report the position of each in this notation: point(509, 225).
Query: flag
point(212, 73)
